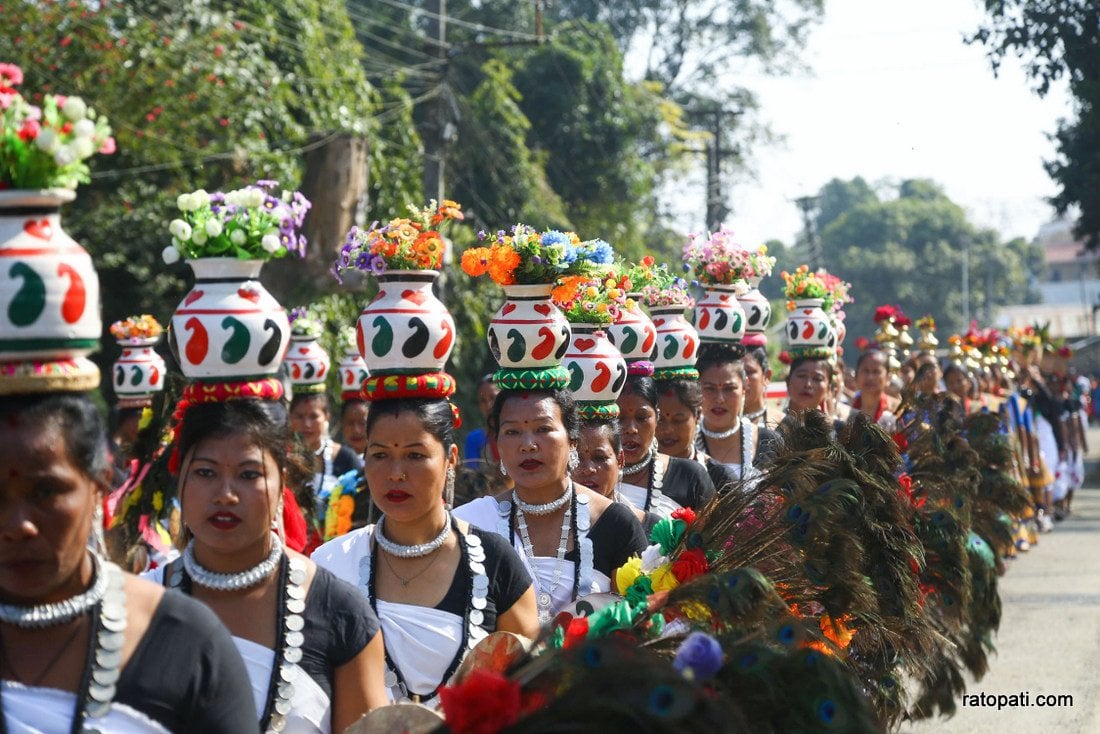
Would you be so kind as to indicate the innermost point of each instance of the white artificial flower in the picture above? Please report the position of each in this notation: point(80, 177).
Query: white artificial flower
point(74, 108)
point(184, 202)
point(238, 237)
point(270, 243)
point(199, 237)
point(180, 229)
point(170, 255)
point(83, 147)
point(213, 227)
point(200, 198)
point(256, 198)
point(652, 558)
point(64, 155)
point(47, 140)
point(84, 129)
point(233, 198)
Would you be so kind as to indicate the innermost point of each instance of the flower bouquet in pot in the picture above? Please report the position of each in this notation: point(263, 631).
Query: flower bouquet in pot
point(720, 265)
point(49, 315)
point(229, 327)
point(667, 297)
point(405, 330)
point(307, 363)
point(528, 336)
point(139, 371)
point(809, 328)
point(633, 332)
point(597, 369)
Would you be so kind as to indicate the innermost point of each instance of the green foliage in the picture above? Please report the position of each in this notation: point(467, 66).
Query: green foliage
point(1058, 39)
point(908, 250)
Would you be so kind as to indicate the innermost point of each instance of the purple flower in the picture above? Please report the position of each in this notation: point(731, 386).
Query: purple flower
point(699, 657)
point(286, 225)
point(378, 266)
point(267, 183)
point(363, 261)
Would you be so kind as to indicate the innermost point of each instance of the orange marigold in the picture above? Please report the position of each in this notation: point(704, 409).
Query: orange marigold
point(475, 261)
point(503, 262)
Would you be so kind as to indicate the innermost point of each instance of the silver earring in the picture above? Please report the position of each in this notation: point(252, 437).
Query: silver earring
point(449, 488)
point(574, 459)
point(503, 471)
point(99, 544)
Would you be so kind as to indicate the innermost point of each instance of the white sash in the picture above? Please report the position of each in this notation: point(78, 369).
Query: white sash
point(421, 641)
point(662, 506)
point(310, 708)
point(36, 710)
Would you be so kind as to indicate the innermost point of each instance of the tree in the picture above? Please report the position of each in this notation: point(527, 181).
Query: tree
point(908, 251)
point(1058, 39)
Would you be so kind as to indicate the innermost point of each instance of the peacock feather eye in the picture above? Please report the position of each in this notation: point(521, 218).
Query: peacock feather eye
point(732, 581)
point(593, 657)
point(826, 711)
point(695, 540)
point(748, 660)
point(787, 634)
point(661, 699)
point(812, 658)
point(795, 512)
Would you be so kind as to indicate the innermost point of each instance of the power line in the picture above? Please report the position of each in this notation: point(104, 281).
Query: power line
point(462, 23)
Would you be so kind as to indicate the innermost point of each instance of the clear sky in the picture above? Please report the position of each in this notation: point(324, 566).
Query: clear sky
point(894, 93)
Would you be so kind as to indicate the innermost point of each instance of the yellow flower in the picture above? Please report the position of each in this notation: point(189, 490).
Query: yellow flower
point(591, 292)
point(663, 580)
point(627, 573)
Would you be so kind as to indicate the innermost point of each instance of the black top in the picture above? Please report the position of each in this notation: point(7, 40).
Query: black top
point(186, 673)
point(339, 623)
point(721, 475)
point(687, 482)
point(508, 580)
point(345, 460)
point(616, 536)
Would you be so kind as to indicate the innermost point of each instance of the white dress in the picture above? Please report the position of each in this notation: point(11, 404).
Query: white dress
point(748, 432)
point(493, 515)
point(38, 710)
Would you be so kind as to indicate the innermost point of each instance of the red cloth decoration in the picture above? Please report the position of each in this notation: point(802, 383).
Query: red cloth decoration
point(684, 513)
point(294, 523)
point(576, 632)
point(862, 343)
point(484, 703)
point(690, 564)
point(457, 416)
point(884, 312)
point(430, 385)
point(901, 442)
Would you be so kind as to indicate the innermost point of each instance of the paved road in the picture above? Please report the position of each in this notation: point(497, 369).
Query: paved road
point(1049, 641)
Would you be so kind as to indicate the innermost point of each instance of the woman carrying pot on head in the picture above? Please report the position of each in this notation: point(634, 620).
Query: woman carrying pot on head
point(311, 643)
point(653, 481)
point(438, 584)
point(872, 380)
point(600, 450)
point(84, 646)
point(725, 434)
point(758, 374)
point(310, 416)
point(680, 410)
point(571, 538)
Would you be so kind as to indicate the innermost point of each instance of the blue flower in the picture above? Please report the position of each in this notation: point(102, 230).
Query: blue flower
point(699, 657)
point(600, 252)
point(554, 237)
point(570, 255)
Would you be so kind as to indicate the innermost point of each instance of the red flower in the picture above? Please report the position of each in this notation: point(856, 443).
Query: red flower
point(484, 703)
point(648, 261)
point(690, 564)
point(882, 313)
point(901, 441)
point(684, 513)
point(862, 343)
point(29, 131)
point(576, 632)
point(785, 357)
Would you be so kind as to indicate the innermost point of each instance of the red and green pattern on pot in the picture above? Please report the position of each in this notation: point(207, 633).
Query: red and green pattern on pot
point(405, 330)
point(307, 364)
point(49, 291)
point(597, 371)
point(758, 314)
point(809, 330)
point(633, 332)
point(677, 344)
point(719, 317)
point(528, 332)
point(228, 327)
point(353, 373)
point(138, 373)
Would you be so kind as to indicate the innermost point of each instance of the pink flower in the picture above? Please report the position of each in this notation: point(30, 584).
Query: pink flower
point(108, 146)
point(7, 96)
point(11, 75)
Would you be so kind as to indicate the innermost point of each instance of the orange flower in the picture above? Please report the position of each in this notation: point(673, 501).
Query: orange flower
point(567, 290)
point(475, 261)
point(503, 262)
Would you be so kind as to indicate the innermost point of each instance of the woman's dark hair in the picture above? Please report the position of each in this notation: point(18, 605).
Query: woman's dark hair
point(119, 416)
point(347, 404)
point(434, 414)
point(688, 392)
point(75, 416)
point(868, 354)
point(803, 360)
point(760, 355)
point(300, 398)
point(711, 355)
point(614, 430)
point(955, 367)
point(264, 421)
point(563, 398)
point(642, 386)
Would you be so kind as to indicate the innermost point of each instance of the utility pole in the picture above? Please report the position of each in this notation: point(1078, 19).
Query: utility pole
point(966, 283)
point(808, 205)
point(717, 211)
point(436, 114)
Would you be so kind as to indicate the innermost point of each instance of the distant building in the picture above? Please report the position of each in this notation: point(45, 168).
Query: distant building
point(1070, 288)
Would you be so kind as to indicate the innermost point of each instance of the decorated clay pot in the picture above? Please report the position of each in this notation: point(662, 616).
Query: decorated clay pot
point(677, 340)
point(405, 330)
point(597, 370)
point(228, 327)
point(809, 327)
point(528, 332)
point(353, 373)
point(49, 291)
point(307, 364)
point(139, 371)
point(719, 317)
point(758, 313)
point(633, 333)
